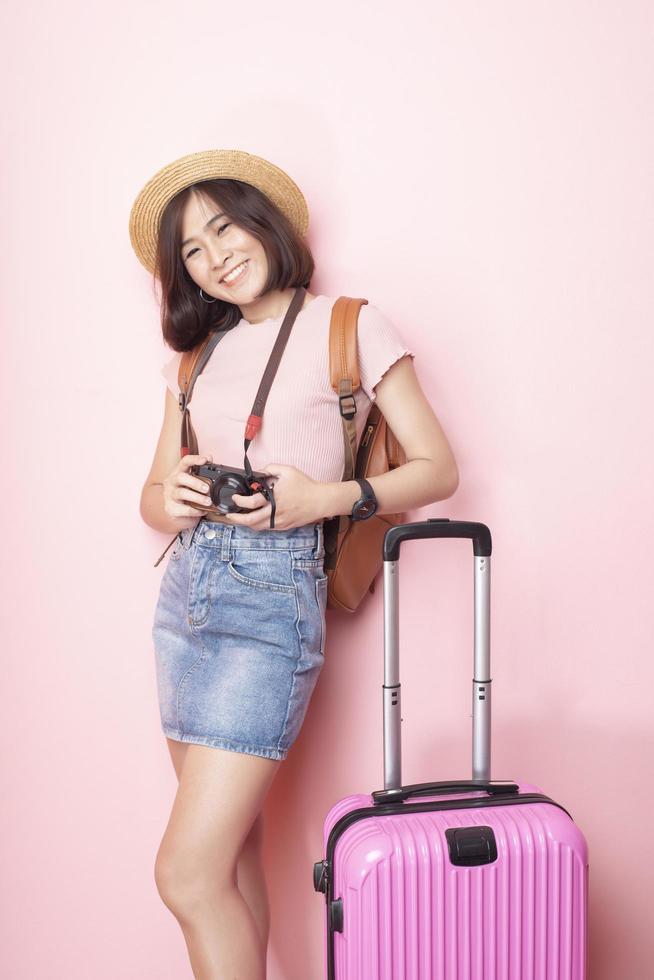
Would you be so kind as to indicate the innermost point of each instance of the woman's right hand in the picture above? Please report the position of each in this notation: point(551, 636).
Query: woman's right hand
point(180, 486)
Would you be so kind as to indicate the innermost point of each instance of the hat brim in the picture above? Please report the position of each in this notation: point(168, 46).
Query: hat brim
point(145, 216)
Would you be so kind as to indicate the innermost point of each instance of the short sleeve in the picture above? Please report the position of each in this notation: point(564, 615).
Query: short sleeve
point(379, 345)
point(170, 371)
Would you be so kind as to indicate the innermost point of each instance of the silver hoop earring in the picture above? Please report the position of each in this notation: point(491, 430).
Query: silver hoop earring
point(207, 300)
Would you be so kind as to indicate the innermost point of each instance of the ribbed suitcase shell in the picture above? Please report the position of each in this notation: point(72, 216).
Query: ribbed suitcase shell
point(409, 914)
point(397, 906)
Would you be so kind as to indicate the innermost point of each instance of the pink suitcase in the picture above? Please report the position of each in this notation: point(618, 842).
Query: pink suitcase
point(475, 880)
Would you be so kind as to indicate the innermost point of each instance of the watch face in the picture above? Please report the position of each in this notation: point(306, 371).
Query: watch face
point(366, 509)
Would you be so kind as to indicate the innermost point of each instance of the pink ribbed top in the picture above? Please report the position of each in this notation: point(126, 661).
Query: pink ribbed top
point(301, 422)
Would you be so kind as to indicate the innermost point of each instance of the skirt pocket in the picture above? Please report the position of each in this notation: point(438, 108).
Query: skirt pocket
point(261, 569)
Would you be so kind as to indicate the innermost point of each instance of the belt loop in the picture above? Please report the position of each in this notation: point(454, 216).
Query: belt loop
point(191, 533)
point(227, 537)
point(320, 551)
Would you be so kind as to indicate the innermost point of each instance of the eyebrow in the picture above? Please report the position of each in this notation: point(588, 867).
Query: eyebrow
point(210, 222)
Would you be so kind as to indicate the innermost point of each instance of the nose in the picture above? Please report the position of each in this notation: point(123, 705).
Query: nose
point(219, 257)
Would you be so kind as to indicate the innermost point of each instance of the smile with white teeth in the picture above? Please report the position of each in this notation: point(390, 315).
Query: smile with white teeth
point(235, 273)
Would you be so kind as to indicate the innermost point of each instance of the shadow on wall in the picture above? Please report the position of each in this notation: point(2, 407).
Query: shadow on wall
point(591, 768)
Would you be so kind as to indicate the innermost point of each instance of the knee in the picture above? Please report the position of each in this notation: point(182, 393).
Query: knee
point(185, 887)
point(172, 882)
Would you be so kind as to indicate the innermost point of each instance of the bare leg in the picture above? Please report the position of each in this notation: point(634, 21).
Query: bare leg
point(250, 873)
point(177, 754)
point(219, 797)
point(252, 880)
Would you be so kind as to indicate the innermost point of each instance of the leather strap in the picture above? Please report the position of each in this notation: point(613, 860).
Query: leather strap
point(256, 415)
point(194, 361)
point(344, 371)
point(191, 365)
point(345, 380)
point(343, 355)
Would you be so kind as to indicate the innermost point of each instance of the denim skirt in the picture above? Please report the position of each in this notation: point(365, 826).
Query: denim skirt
point(239, 635)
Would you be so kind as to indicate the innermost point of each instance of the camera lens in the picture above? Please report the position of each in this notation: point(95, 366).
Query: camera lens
point(224, 487)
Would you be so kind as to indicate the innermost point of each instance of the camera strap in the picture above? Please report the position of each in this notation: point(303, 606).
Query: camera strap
point(256, 415)
point(193, 364)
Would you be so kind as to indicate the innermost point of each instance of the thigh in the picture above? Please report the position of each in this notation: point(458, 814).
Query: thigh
point(177, 754)
point(219, 797)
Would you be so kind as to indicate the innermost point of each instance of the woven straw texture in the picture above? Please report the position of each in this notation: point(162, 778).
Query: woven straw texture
point(205, 165)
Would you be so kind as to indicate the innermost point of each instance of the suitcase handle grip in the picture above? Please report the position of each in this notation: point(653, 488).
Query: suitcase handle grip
point(493, 788)
point(438, 527)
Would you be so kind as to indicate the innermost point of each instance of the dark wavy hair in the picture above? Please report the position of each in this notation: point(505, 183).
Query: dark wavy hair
point(185, 318)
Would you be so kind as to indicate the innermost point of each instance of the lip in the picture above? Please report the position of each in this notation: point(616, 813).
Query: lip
point(239, 277)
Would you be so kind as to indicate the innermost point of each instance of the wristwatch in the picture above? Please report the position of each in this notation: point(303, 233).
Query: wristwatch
point(366, 505)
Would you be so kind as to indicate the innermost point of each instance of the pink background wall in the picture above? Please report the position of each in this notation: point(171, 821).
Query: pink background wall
point(482, 172)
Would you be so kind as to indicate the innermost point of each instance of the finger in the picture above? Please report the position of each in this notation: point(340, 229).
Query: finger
point(251, 501)
point(192, 460)
point(194, 482)
point(184, 493)
point(257, 519)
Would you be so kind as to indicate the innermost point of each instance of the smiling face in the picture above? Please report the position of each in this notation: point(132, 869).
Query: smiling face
point(213, 245)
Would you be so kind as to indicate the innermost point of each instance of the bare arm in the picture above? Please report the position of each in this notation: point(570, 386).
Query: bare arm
point(430, 473)
point(168, 484)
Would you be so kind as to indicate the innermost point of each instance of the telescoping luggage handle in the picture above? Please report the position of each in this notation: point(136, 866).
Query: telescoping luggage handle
point(440, 527)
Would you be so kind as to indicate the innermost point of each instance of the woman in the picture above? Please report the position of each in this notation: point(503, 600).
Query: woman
point(240, 622)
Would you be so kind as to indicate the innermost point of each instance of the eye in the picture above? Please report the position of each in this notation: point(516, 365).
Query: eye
point(222, 228)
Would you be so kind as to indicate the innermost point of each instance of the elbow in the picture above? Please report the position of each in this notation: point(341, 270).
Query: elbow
point(145, 504)
point(455, 481)
point(448, 482)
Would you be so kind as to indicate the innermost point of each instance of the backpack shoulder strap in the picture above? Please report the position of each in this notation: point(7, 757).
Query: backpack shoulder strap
point(187, 365)
point(344, 370)
point(190, 366)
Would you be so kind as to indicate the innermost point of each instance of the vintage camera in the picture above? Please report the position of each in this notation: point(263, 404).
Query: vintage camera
point(223, 481)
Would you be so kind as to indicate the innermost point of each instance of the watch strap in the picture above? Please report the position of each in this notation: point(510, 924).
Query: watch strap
point(367, 494)
point(366, 489)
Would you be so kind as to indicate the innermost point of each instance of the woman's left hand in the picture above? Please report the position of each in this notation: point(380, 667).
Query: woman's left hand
point(298, 501)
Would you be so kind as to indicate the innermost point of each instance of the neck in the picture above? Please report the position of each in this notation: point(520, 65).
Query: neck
point(273, 305)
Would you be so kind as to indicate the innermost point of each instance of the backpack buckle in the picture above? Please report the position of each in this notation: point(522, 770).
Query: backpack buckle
point(182, 401)
point(350, 411)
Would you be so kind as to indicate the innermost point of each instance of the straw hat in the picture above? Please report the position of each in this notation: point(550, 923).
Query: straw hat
point(209, 164)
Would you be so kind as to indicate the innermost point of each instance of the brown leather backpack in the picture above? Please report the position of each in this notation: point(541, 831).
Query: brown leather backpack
point(353, 549)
